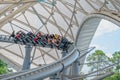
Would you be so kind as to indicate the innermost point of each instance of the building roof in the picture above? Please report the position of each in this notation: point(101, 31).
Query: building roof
point(63, 17)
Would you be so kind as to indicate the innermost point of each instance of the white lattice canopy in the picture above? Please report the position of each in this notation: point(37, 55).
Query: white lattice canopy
point(77, 20)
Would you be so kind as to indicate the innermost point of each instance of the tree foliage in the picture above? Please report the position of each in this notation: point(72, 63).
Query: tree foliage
point(115, 59)
point(116, 76)
point(97, 60)
point(3, 68)
point(102, 60)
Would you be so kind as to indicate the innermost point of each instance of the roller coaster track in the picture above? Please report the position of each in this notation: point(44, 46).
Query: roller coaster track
point(8, 39)
point(41, 72)
point(47, 70)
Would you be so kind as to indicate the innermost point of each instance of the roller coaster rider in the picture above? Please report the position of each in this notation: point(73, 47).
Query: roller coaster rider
point(38, 39)
point(51, 40)
point(12, 35)
point(17, 37)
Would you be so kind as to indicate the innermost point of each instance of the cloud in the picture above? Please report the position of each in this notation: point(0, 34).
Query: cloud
point(109, 55)
point(98, 47)
point(103, 48)
point(105, 27)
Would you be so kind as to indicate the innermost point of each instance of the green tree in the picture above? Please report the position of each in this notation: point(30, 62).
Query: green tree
point(3, 68)
point(115, 59)
point(83, 77)
point(97, 60)
point(116, 76)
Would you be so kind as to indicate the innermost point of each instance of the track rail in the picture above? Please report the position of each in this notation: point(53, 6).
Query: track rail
point(45, 71)
point(8, 39)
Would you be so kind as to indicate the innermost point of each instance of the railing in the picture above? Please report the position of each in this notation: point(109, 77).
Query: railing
point(46, 71)
point(8, 39)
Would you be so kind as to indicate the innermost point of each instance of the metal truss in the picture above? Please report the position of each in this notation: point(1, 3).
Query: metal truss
point(63, 17)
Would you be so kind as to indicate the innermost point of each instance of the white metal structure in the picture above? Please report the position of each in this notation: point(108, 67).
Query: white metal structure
point(75, 19)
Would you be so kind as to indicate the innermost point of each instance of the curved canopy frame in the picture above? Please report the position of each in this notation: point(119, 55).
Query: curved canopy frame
point(65, 17)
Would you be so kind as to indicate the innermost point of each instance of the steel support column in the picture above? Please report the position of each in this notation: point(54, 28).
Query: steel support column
point(54, 77)
point(26, 63)
point(65, 71)
point(75, 68)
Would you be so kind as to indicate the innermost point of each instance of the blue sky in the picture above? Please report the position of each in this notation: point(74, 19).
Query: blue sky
point(107, 37)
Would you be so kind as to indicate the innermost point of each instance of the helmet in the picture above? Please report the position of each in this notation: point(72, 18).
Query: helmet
point(56, 36)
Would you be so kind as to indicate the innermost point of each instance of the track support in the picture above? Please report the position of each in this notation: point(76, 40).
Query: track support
point(76, 67)
point(65, 70)
point(26, 63)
